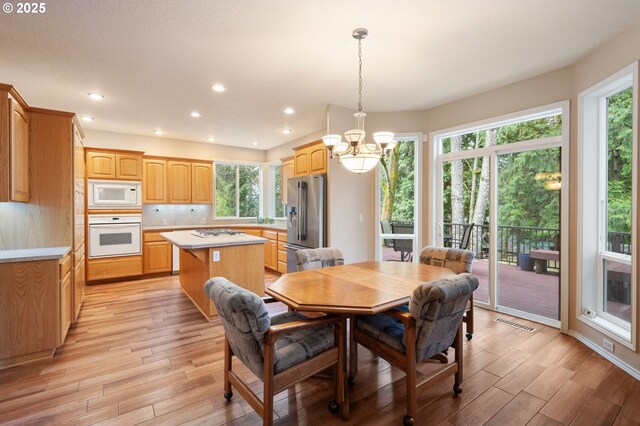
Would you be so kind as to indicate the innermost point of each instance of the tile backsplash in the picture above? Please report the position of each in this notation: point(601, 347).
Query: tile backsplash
point(185, 215)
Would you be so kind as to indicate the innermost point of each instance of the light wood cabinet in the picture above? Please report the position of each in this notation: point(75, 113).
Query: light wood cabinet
point(271, 250)
point(35, 297)
point(282, 253)
point(113, 267)
point(128, 166)
point(78, 188)
point(179, 173)
point(310, 159)
point(79, 283)
point(113, 164)
point(287, 171)
point(101, 165)
point(157, 254)
point(154, 181)
point(201, 183)
point(19, 152)
point(15, 141)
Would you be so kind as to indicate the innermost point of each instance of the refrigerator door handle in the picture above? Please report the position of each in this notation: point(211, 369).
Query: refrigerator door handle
point(303, 210)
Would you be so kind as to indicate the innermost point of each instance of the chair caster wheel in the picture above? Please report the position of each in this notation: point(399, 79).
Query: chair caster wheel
point(228, 396)
point(334, 407)
point(457, 390)
point(351, 381)
point(469, 336)
point(406, 420)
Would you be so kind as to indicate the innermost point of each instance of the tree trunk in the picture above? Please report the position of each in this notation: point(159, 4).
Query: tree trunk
point(474, 174)
point(482, 200)
point(457, 190)
point(388, 183)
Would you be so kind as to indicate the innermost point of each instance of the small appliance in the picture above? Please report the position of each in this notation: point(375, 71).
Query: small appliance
point(110, 194)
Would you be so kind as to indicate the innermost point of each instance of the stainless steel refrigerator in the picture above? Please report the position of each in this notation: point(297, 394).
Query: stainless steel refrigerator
point(306, 215)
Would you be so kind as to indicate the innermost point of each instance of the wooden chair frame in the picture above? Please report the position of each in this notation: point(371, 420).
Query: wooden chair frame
point(407, 362)
point(275, 383)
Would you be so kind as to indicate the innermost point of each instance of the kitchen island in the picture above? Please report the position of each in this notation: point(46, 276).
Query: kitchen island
point(239, 258)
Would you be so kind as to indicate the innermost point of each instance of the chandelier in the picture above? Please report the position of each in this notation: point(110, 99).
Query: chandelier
point(356, 154)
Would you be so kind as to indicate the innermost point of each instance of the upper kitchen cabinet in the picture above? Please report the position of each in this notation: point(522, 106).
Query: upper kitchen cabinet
point(154, 181)
point(112, 164)
point(286, 172)
point(179, 173)
point(310, 159)
point(14, 146)
point(176, 181)
point(201, 183)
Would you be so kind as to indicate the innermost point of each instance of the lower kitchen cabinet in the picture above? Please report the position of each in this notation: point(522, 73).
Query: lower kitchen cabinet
point(35, 309)
point(79, 282)
point(114, 267)
point(157, 254)
point(271, 250)
point(282, 253)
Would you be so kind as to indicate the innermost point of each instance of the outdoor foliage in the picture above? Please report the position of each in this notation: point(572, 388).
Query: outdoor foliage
point(397, 183)
point(279, 206)
point(237, 182)
point(619, 127)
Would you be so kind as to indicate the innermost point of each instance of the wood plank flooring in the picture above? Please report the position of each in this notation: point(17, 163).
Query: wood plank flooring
point(141, 353)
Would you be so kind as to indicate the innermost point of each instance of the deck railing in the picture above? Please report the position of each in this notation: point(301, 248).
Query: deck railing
point(516, 240)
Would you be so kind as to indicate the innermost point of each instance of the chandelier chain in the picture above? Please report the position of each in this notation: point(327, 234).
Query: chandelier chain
point(360, 75)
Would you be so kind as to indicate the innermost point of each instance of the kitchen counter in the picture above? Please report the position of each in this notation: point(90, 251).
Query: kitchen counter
point(268, 227)
point(34, 254)
point(186, 240)
point(238, 258)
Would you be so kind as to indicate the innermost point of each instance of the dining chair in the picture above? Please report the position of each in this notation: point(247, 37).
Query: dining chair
point(307, 259)
point(458, 261)
point(432, 325)
point(281, 350)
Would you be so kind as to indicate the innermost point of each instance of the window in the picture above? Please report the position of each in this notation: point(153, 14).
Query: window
point(278, 206)
point(238, 189)
point(607, 143)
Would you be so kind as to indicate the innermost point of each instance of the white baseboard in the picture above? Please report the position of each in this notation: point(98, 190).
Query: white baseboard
point(606, 355)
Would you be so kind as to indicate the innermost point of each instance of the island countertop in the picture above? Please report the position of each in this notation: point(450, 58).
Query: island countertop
point(186, 240)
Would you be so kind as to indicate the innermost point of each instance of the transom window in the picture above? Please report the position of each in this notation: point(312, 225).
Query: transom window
point(238, 189)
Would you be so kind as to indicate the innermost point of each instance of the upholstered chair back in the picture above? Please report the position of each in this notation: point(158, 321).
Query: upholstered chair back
point(244, 318)
point(457, 260)
point(437, 308)
point(307, 259)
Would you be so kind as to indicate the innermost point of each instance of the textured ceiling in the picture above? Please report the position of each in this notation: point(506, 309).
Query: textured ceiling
point(155, 61)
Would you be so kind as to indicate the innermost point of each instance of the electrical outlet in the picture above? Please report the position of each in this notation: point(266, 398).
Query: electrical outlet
point(216, 256)
point(360, 217)
point(164, 221)
point(607, 344)
point(204, 220)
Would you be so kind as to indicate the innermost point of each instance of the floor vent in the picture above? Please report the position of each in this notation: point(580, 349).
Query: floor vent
point(515, 325)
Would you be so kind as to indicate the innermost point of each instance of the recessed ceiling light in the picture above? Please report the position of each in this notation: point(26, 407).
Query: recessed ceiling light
point(210, 139)
point(289, 111)
point(95, 96)
point(195, 114)
point(157, 132)
point(218, 88)
point(254, 143)
point(87, 118)
point(286, 131)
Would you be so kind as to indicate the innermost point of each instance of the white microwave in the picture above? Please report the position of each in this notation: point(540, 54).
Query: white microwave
point(111, 194)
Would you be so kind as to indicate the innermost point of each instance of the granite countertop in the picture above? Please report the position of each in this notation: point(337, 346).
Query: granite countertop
point(186, 240)
point(34, 254)
point(218, 226)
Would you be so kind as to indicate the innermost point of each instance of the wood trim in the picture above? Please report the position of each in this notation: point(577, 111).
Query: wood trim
point(18, 97)
point(285, 159)
point(107, 211)
point(26, 359)
point(179, 159)
point(305, 369)
point(53, 112)
point(112, 151)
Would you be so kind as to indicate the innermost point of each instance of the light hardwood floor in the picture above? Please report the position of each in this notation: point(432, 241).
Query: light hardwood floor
point(142, 353)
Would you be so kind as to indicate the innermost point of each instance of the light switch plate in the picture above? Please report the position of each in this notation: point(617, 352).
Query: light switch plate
point(216, 256)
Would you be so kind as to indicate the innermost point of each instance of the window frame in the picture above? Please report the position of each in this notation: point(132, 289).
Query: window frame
point(273, 183)
point(237, 165)
point(593, 130)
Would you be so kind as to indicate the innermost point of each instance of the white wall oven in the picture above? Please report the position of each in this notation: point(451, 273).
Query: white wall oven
point(110, 194)
point(115, 235)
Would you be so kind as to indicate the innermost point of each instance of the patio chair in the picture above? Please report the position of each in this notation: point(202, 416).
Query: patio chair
point(405, 247)
point(466, 236)
point(386, 229)
point(307, 259)
point(458, 261)
point(281, 351)
point(432, 325)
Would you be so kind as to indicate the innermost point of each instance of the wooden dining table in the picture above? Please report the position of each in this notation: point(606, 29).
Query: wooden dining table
point(364, 288)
